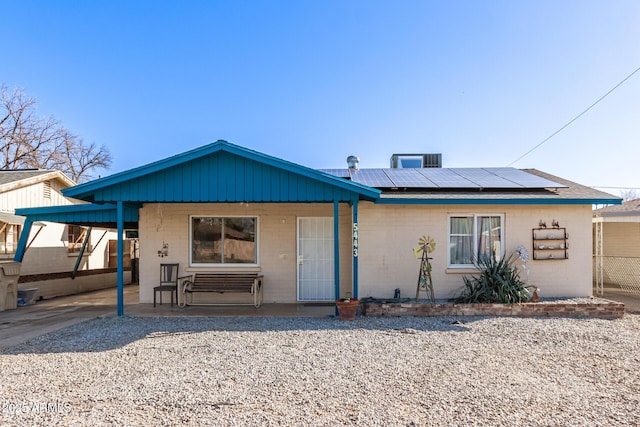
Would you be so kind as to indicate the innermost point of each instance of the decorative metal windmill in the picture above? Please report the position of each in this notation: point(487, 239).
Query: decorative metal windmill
point(426, 245)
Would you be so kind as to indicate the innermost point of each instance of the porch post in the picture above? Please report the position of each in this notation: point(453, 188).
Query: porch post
point(120, 274)
point(336, 249)
point(24, 238)
point(355, 248)
point(599, 259)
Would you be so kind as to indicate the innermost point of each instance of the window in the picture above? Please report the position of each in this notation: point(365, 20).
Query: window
point(75, 237)
point(224, 241)
point(473, 236)
point(9, 234)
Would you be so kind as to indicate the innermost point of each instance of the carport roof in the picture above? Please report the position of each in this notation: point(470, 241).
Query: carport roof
point(10, 218)
point(90, 215)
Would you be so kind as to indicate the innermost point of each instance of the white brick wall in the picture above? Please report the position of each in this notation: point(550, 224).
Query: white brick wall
point(387, 237)
point(389, 233)
point(277, 249)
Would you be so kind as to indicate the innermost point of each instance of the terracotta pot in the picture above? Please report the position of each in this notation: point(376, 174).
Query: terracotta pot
point(347, 309)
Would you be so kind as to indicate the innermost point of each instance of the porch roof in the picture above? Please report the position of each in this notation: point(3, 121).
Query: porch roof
point(221, 172)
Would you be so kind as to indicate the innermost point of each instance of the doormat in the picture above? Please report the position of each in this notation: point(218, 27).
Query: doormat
point(319, 304)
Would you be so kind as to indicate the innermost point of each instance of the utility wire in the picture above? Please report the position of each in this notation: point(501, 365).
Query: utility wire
point(616, 188)
point(576, 117)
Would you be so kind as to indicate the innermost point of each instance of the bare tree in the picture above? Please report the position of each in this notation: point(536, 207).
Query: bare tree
point(29, 141)
point(628, 194)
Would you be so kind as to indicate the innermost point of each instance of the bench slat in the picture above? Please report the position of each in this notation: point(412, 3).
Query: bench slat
point(221, 288)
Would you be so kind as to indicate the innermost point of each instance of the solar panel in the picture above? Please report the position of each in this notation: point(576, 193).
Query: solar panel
point(373, 178)
point(485, 178)
point(447, 178)
point(525, 179)
point(341, 173)
point(410, 178)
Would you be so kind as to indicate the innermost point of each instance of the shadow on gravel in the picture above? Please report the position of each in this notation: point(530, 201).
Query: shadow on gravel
point(104, 334)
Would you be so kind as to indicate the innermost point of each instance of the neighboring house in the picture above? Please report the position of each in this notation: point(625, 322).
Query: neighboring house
point(56, 252)
point(616, 231)
point(318, 235)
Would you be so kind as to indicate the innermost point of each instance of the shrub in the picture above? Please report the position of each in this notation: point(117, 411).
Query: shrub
point(498, 282)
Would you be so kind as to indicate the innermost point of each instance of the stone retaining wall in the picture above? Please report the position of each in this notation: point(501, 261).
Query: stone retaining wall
point(603, 310)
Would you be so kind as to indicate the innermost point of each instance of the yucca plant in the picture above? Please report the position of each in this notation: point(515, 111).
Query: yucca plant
point(498, 282)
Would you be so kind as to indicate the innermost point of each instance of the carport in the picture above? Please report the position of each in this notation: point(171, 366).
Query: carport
point(616, 232)
point(114, 216)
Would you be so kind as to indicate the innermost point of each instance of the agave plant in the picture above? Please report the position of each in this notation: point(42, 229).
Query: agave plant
point(498, 282)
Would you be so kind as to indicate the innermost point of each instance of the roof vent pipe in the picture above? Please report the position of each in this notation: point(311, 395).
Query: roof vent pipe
point(352, 163)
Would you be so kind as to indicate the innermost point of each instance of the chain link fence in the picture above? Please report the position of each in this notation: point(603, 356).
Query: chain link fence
point(623, 272)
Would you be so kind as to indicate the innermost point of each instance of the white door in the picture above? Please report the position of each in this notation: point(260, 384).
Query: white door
point(315, 259)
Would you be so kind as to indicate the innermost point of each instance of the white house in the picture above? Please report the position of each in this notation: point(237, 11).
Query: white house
point(318, 235)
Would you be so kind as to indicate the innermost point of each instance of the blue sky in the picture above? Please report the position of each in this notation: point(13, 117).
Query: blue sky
point(481, 82)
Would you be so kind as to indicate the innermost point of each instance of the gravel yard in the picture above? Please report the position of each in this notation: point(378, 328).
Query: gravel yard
point(301, 371)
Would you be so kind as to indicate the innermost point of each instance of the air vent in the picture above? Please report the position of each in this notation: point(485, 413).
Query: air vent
point(46, 189)
point(399, 161)
point(352, 163)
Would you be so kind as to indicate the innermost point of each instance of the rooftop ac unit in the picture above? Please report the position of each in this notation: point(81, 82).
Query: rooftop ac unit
point(399, 161)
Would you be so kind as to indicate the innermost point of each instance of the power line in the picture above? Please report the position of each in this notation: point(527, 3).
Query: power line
point(576, 117)
point(616, 188)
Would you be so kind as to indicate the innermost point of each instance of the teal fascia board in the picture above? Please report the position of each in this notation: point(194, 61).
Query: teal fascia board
point(489, 201)
point(87, 190)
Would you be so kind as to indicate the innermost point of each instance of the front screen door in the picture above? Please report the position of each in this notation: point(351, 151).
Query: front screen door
point(315, 259)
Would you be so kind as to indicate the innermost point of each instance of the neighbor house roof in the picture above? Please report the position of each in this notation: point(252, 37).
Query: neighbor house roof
point(18, 178)
point(10, 218)
point(628, 208)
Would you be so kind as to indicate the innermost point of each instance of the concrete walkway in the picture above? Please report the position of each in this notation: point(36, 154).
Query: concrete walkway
point(631, 301)
point(25, 323)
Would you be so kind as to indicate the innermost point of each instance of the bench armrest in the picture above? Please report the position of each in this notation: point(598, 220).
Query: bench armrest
point(183, 281)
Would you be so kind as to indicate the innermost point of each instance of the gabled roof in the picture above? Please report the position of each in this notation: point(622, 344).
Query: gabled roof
point(225, 172)
point(221, 172)
point(19, 178)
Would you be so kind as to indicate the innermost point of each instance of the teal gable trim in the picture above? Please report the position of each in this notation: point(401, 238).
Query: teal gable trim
point(222, 172)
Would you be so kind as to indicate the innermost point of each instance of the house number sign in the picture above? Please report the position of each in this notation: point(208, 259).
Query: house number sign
point(355, 239)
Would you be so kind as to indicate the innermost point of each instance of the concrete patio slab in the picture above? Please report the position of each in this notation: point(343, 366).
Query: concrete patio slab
point(25, 323)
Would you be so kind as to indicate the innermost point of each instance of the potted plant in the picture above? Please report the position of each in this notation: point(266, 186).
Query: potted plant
point(347, 307)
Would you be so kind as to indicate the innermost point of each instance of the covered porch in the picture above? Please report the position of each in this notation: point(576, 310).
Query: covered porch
point(218, 183)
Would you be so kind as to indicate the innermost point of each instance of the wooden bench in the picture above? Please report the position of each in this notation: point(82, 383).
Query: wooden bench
point(221, 283)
